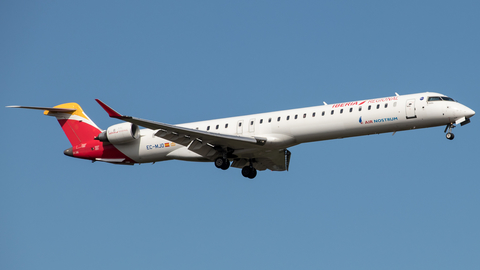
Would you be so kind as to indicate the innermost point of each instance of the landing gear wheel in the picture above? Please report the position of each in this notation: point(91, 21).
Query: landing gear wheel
point(252, 174)
point(249, 172)
point(449, 128)
point(222, 163)
point(226, 165)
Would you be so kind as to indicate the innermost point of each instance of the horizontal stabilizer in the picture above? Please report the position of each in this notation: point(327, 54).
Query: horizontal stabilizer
point(78, 127)
point(65, 110)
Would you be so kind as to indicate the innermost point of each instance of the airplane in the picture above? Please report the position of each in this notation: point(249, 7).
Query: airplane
point(253, 142)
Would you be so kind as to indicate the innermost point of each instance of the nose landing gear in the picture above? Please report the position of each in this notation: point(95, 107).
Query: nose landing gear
point(449, 134)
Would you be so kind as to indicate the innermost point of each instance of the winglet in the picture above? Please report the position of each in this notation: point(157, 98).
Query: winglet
point(111, 112)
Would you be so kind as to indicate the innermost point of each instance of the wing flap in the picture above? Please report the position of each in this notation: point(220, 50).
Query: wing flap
point(182, 139)
point(203, 149)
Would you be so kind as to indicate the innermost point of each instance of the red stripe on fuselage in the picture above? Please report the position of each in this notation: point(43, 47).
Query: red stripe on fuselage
point(97, 149)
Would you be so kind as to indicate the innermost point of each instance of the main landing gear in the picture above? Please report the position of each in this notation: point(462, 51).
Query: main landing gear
point(248, 171)
point(222, 163)
point(449, 134)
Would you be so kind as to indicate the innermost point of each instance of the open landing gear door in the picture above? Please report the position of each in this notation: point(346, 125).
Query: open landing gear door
point(275, 160)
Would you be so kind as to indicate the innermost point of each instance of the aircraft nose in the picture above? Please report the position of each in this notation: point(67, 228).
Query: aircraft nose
point(469, 113)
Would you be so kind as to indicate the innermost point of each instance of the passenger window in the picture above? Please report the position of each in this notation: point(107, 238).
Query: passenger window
point(369, 107)
point(240, 124)
point(226, 125)
point(304, 115)
point(217, 127)
point(269, 120)
point(323, 113)
point(341, 111)
point(313, 114)
point(288, 117)
point(378, 106)
point(278, 119)
point(208, 128)
point(261, 121)
point(296, 116)
point(360, 108)
point(386, 105)
point(251, 123)
point(332, 112)
point(351, 109)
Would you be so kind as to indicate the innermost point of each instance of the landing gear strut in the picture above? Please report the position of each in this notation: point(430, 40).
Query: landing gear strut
point(449, 134)
point(249, 171)
point(222, 163)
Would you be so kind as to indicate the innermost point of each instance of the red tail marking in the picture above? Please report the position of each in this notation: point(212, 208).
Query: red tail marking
point(78, 132)
point(96, 149)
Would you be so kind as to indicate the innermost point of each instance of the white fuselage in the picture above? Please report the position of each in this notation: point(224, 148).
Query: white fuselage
point(287, 128)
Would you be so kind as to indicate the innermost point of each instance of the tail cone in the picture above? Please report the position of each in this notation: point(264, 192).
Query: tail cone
point(68, 152)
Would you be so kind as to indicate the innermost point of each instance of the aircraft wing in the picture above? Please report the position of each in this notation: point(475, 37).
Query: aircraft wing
point(198, 141)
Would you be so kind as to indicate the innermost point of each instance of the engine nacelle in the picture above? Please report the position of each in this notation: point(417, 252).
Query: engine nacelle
point(120, 133)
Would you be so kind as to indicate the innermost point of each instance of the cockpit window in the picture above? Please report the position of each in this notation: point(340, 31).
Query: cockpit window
point(440, 98)
point(447, 99)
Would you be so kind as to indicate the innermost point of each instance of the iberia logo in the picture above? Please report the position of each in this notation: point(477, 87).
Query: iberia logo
point(348, 104)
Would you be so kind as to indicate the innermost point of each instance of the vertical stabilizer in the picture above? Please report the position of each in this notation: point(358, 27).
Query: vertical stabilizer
point(78, 127)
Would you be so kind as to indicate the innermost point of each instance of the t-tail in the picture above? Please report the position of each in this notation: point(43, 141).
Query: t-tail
point(78, 127)
point(82, 133)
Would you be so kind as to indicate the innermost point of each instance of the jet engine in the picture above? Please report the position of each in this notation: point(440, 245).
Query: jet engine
point(120, 134)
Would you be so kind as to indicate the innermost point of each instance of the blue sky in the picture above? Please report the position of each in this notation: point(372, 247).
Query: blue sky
point(409, 201)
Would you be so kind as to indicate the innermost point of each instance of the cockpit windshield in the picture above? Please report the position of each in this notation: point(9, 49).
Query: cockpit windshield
point(440, 99)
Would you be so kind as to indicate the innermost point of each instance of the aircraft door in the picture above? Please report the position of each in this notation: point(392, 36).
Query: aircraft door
point(410, 109)
point(240, 127)
point(251, 126)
